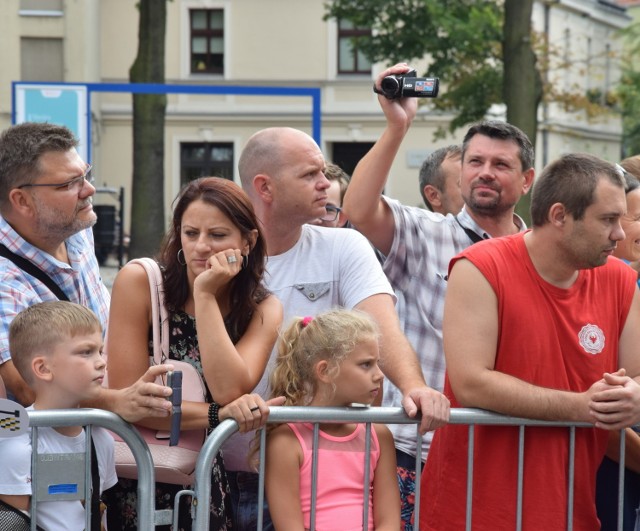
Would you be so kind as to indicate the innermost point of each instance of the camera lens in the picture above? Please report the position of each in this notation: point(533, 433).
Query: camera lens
point(390, 86)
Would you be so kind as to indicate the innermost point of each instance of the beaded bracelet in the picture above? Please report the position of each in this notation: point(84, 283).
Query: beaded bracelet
point(213, 415)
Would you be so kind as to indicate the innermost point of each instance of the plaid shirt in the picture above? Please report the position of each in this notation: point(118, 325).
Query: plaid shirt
point(417, 266)
point(81, 280)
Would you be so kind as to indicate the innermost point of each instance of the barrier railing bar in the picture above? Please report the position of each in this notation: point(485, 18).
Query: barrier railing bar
point(263, 461)
point(175, 513)
point(88, 477)
point(520, 478)
point(314, 476)
point(416, 510)
point(470, 452)
point(202, 483)
point(382, 415)
point(621, 471)
point(572, 465)
point(146, 502)
point(367, 462)
point(112, 422)
point(34, 468)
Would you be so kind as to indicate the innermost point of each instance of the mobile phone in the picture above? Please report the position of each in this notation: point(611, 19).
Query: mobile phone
point(174, 380)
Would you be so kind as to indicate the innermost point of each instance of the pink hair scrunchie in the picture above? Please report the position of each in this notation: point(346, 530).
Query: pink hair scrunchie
point(306, 321)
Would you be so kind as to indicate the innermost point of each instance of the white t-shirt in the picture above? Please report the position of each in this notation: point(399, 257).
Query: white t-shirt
point(15, 472)
point(325, 269)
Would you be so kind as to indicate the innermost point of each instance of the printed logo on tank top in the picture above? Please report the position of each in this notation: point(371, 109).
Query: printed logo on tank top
point(591, 339)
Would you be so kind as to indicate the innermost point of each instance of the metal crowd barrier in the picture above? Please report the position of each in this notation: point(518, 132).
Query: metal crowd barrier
point(314, 415)
point(385, 415)
point(112, 422)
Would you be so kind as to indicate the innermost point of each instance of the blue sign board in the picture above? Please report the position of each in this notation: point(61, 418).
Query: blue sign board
point(57, 104)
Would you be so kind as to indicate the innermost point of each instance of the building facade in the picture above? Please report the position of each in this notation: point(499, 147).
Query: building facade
point(276, 43)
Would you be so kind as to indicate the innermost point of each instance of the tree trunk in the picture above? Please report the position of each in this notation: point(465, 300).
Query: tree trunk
point(522, 83)
point(147, 201)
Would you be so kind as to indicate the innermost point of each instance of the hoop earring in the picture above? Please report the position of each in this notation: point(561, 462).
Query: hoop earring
point(184, 263)
point(245, 260)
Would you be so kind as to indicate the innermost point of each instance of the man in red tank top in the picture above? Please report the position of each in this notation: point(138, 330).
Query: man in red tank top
point(551, 331)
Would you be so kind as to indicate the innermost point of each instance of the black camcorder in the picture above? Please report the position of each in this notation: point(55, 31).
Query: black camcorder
point(407, 85)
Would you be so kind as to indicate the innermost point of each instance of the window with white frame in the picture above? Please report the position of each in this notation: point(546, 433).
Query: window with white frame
point(351, 60)
point(207, 41)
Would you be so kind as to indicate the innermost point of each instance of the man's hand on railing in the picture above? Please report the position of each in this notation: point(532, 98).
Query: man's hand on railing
point(433, 406)
point(615, 404)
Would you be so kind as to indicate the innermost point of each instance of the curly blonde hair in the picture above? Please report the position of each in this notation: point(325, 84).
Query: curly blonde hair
point(329, 336)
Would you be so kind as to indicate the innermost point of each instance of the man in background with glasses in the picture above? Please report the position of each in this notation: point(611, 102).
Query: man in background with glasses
point(46, 216)
point(338, 182)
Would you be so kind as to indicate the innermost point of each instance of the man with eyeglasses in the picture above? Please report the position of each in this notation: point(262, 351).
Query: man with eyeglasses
point(46, 217)
point(338, 182)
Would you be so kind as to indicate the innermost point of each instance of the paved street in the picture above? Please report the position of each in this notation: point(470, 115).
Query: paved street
point(108, 271)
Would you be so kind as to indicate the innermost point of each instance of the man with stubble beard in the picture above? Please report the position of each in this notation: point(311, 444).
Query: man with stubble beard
point(46, 216)
point(496, 170)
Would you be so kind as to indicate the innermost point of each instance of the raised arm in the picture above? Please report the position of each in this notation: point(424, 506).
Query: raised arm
point(470, 331)
point(363, 203)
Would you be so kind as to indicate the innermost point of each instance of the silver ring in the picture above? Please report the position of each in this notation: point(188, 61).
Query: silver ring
point(232, 259)
point(256, 408)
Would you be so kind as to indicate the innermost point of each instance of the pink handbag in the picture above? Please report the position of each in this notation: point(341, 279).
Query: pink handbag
point(173, 464)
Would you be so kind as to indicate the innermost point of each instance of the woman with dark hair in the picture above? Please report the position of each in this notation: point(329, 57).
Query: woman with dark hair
point(222, 320)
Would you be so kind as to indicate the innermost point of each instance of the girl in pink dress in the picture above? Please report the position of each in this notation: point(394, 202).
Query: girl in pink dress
point(330, 360)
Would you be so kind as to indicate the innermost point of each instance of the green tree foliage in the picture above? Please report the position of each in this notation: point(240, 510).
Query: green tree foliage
point(462, 37)
point(147, 201)
point(629, 92)
point(480, 49)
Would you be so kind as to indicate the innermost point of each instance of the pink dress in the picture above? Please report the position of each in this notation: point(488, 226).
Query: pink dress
point(340, 487)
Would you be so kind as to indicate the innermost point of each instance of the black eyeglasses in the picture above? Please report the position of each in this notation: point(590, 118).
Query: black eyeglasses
point(332, 213)
point(74, 185)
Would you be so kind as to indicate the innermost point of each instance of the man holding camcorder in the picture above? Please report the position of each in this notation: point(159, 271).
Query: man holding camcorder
point(497, 169)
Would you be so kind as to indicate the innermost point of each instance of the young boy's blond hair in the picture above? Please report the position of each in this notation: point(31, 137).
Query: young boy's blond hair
point(37, 329)
point(56, 347)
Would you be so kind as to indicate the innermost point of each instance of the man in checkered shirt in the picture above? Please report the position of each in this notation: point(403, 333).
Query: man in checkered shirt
point(46, 217)
point(497, 169)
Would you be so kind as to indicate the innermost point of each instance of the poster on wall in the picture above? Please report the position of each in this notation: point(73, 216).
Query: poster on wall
point(60, 104)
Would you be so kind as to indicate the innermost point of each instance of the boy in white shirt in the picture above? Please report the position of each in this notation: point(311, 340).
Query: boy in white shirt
point(57, 348)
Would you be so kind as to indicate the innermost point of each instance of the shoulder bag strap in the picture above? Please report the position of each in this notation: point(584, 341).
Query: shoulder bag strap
point(96, 517)
point(159, 313)
point(29, 267)
point(473, 235)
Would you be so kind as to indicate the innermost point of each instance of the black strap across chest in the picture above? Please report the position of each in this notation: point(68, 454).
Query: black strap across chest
point(34, 271)
point(473, 235)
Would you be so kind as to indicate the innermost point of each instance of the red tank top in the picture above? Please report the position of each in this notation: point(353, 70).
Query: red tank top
point(550, 337)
